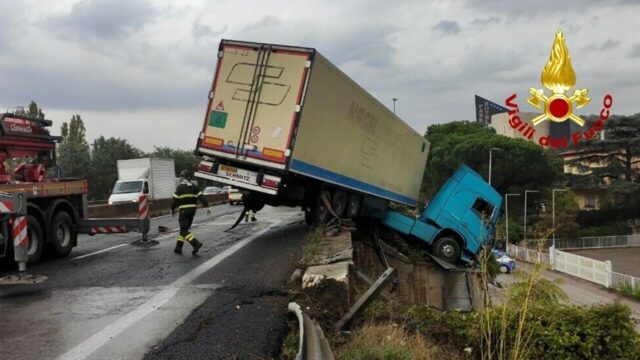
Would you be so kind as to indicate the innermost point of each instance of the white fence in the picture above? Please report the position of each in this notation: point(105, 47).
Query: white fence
point(599, 272)
point(595, 242)
point(618, 280)
point(595, 271)
point(528, 255)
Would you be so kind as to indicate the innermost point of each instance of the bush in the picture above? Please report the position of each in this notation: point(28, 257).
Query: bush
point(559, 332)
point(605, 230)
point(386, 341)
point(630, 291)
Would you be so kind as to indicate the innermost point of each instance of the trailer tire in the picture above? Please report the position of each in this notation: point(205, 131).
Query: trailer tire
point(447, 249)
point(36, 240)
point(63, 234)
point(339, 202)
point(353, 205)
point(321, 213)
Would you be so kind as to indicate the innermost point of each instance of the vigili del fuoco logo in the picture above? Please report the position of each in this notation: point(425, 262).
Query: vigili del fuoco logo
point(558, 77)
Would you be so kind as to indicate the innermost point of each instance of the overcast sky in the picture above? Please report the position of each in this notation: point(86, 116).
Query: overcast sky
point(141, 69)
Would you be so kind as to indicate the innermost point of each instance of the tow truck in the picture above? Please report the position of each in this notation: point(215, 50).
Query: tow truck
point(54, 209)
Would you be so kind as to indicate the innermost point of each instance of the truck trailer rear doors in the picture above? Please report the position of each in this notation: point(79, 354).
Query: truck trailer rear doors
point(254, 102)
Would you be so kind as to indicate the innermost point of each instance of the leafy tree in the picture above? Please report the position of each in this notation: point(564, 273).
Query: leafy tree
point(616, 159)
point(566, 210)
point(184, 160)
point(32, 111)
point(521, 165)
point(104, 171)
point(73, 151)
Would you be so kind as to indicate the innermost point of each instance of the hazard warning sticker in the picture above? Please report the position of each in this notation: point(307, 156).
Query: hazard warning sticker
point(218, 117)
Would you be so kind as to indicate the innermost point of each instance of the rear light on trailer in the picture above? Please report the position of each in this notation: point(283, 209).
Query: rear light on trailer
point(270, 183)
point(205, 167)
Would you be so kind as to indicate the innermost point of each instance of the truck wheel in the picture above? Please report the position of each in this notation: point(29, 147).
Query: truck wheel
point(63, 234)
point(447, 249)
point(322, 212)
point(36, 240)
point(308, 217)
point(353, 205)
point(339, 202)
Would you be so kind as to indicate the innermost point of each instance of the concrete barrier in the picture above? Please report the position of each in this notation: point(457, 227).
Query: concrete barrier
point(156, 208)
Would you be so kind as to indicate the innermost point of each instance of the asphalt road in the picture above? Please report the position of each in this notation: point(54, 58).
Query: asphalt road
point(113, 300)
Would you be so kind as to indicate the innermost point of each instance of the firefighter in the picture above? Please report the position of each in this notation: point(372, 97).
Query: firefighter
point(186, 199)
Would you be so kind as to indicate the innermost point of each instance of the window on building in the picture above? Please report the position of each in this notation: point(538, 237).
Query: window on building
point(590, 202)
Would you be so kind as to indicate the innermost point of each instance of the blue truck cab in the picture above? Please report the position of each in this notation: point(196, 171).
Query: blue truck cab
point(458, 221)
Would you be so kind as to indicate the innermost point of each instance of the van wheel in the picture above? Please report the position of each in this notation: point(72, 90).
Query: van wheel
point(36, 240)
point(504, 269)
point(447, 249)
point(339, 202)
point(63, 234)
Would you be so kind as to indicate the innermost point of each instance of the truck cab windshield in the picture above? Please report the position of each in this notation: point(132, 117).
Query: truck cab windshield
point(127, 187)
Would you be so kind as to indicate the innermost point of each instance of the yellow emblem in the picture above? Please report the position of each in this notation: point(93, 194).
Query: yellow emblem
point(558, 76)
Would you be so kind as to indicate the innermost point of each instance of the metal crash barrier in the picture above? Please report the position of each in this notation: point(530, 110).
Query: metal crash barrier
point(313, 344)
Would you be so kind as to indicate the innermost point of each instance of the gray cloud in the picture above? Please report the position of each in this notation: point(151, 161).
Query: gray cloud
point(530, 9)
point(102, 19)
point(448, 27)
point(367, 44)
point(486, 21)
point(607, 45)
point(635, 52)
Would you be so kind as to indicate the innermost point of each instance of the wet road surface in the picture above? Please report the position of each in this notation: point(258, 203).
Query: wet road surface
point(113, 300)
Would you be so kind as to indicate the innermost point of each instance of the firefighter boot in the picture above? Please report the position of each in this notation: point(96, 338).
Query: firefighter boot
point(196, 246)
point(178, 249)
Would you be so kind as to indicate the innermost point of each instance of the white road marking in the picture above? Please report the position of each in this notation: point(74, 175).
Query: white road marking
point(92, 344)
point(98, 252)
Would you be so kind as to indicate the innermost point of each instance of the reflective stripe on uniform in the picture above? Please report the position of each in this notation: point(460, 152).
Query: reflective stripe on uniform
point(180, 238)
point(189, 237)
point(185, 196)
point(187, 206)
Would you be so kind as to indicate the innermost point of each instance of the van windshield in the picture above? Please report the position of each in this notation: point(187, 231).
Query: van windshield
point(127, 187)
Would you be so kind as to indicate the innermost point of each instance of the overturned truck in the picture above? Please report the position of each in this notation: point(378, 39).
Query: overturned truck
point(289, 128)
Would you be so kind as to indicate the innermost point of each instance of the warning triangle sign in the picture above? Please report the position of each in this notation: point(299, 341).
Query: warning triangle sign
point(220, 107)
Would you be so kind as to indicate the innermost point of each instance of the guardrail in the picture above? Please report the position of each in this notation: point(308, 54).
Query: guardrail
point(156, 208)
point(313, 344)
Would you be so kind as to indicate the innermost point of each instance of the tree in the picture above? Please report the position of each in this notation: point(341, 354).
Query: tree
point(566, 210)
point(613, 162)
point(521, 165)
point(184, 160)
point(104, 171)
point(33, 111)
point(73, 151)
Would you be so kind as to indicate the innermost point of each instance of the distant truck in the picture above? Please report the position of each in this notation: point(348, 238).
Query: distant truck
point(154, 177)
point(288, 127)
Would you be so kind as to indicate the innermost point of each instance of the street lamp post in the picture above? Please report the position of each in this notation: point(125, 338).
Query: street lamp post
point(553, 214)
point(394, 104)
point(491, 160)
point(506, 214)
point(525, 212)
